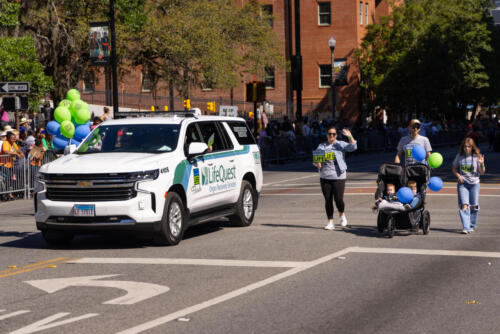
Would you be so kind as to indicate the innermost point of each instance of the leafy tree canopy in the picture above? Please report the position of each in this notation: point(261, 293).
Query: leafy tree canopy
point(430, 55)
point(184, 42)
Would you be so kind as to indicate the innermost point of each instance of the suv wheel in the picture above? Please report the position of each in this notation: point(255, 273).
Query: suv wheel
point(245, 207)
point(53, 238)
point(172, 222)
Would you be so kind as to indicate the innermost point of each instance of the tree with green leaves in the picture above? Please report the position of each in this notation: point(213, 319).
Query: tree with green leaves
point(429, 56)
point(18, 56)
point(184, 43)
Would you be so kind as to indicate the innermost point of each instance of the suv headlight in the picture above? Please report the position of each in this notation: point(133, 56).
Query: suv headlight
point(146, 175)
point(40, 183)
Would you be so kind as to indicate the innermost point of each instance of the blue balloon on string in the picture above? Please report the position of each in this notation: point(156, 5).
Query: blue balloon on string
point(418, 152)
point(405, 195)
point(81, 132)
point(53, 128)
point(435, 183)
point(60, 142)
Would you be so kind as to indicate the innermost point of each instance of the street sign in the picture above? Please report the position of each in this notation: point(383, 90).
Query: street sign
point(14, 87)
point(231, 111)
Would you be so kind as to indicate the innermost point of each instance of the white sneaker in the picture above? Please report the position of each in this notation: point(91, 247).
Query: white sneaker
point(343, 221)
point(330, 226)
point(465, 232)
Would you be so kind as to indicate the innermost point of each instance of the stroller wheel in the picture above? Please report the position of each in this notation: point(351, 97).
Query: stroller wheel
point(426, 222)
point(390, 227)
point(380, 223)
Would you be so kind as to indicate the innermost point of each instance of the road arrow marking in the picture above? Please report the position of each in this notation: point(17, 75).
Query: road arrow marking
point(136, 291)
point(13, 314)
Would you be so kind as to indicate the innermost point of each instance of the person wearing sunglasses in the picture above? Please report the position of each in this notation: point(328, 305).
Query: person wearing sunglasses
point(333, 173)
point(407, 143)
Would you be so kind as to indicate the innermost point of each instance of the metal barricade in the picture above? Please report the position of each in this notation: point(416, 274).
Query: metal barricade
point(18, 175)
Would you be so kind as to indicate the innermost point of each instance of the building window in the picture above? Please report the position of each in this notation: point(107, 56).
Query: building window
point(266, 11)
point(325, 75)
point(206, 84)
point(89, 82)
point(360, 13)
point(366, 13)
point(324, 13)
point(269, 77)
point(147, 82)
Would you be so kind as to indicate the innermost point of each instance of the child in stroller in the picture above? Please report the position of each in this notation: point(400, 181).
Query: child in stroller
point(390, 201)
point(394, 215)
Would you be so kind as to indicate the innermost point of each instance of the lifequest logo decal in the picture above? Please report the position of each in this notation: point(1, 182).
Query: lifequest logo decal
point(218, 178)
point(217, 174)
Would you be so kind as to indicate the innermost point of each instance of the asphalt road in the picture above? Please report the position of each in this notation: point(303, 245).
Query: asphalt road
point(283, 274)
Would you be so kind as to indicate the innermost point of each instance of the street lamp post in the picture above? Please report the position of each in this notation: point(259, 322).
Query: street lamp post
point(331, 44)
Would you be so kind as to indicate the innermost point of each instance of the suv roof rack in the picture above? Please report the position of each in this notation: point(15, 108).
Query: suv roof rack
point(184, 113)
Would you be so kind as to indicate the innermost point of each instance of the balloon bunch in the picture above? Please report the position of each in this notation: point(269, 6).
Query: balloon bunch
point(72, 121)
point(435, 160)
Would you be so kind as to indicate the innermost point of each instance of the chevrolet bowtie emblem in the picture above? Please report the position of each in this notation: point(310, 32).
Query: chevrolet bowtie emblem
point(84, 184)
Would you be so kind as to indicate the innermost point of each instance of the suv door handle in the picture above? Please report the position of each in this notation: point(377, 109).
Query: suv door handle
point(210, 164)
point(232, 160)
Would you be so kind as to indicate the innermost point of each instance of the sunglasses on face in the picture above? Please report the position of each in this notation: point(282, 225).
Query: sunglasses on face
point(415, 126)
point(332, 133)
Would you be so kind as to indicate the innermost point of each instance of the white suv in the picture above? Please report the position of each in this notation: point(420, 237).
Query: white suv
point(158, 174)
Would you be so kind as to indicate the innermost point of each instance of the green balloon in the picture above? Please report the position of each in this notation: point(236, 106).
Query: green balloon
point(64, 103)
point(84, 147)
point(73, 95)
point(67, 129)
point(435, 160)
point(82, 116)
point(77, 105)
point(62, 114)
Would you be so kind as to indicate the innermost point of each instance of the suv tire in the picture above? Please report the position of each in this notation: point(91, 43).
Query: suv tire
point(173, 222)
point(245, 207)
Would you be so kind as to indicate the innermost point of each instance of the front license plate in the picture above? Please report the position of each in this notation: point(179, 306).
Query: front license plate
point(84, 210)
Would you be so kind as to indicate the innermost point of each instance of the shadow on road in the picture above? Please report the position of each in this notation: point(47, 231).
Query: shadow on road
point(292, 226)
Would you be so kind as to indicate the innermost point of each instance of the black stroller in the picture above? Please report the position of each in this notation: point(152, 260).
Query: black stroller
point(410, 219)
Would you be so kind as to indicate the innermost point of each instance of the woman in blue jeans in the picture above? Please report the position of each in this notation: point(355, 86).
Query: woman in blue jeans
point(467, 166)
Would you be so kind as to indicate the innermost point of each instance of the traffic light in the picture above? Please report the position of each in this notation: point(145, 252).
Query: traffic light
point(255, 91)
point(187, 104)
point(166, 108)
point(211, 106)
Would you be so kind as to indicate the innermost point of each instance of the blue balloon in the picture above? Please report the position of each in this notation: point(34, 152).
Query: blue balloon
point(60, 142)
point(88, 124)
point(53, 128)
point(81, 132)
point(435, 183)
point(418, 152)
point(405, 195)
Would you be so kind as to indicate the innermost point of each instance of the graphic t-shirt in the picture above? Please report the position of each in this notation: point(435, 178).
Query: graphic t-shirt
point(330, 169)
point(406, 145)
point(468, 167)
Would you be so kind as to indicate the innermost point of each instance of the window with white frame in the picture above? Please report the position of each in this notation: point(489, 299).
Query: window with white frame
point(360, 13)
point(146, 82)
point(269, 79)
point(89, 82)
point(325, 75)
point(324, 13)
point(266, 11)
point(206, 83)
point(366, 13)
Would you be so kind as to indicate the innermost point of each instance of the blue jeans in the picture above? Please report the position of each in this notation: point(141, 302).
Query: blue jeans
point(468, 194)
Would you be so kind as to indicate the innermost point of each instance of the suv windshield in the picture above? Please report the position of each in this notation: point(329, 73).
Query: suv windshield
point(143, 138)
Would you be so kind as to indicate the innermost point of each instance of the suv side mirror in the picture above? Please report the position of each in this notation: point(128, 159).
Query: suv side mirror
point(196, 149)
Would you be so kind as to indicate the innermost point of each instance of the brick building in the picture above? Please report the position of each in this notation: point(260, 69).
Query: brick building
point(345, 20)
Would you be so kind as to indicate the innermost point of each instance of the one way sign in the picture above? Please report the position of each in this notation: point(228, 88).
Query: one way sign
point(14, 87)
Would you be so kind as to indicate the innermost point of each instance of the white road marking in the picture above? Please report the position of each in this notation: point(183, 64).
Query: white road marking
point(136, 291)
point(297, 178)
point(364, 194)
point(197, 262)
point(424, 252)
point(13, 314)
point(47, 323)
point(182, 313)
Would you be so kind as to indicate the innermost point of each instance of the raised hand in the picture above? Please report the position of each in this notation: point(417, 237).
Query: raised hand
point(480, 159)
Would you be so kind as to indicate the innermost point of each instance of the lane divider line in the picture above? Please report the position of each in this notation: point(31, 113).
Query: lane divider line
point(32, 265)
point(13, 314)
point(17, 272)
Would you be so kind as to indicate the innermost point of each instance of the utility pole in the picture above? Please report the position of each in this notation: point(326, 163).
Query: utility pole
point(113, 57)
point(298, 60)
